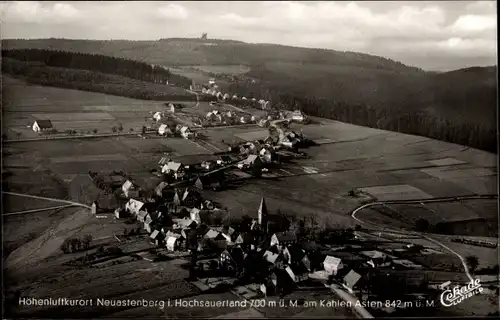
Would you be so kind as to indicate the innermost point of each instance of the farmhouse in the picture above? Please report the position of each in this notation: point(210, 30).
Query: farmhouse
point(41, 125)
point(376, 258)
point(141, 216)
point(157, 237)
point(174, 243)
point(164, 130)
point(297, 116)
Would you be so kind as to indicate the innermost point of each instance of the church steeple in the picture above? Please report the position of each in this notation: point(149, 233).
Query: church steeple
point(262, 211)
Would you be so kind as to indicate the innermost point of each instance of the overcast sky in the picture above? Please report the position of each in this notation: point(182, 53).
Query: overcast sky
point(432, 35)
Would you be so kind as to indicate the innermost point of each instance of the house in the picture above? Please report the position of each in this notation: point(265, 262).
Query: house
point(134, 206)
point(191, 197)
point(405, 264)
point(283, 239)
point(297, 273)
point(211, 234)
point(351, 280)
point(297, 256)
point(171, 243)
point(207, 165)
point(235, 97)
point(269, 140)
point(171, 108)
point(163, 161)
point(175, 168)
point(130, 190)
point(252, 161)
point(245, 238)
point(244, 98)
point(265, 155)
point(157, 116)
point(159, 188)
point(276, 259)
point(263, 123)
point(94, 208)
point(184, 224)
point(376, 258)
point(332, 264)
point(120, 213)
point(298, 116)
point(157, 237)
point(164, 130)
point(42, 125)
point(148, 220)
point(224, 160)
point(195, 215)
point(233, 258)
point(225, 96)
point(141, 216)
point(211, 81)
point(186, 132)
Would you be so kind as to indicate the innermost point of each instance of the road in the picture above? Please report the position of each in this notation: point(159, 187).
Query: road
point(72, 203)
point(423, 234)
point(36, 210)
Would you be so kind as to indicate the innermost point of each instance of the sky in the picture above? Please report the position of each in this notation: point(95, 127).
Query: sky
point(433, 35)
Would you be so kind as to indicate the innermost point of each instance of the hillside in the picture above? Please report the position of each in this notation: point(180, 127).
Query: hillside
point(457, 106)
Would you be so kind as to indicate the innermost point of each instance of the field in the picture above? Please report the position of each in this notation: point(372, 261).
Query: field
point(227, 69)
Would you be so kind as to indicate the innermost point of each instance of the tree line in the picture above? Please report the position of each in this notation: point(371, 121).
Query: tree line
point(422, 122)
point(99, 63)
point(92, 81)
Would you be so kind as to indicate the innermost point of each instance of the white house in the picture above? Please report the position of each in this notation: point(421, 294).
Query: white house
point(195, 215)
point(134, 206)
point(235, 97)
point(332, 264)
point(298, 116)
point(211, 81)
point(172, 243)
point(186, 133)
point(174, 167)
point(129, 189)
point(171, 108)
point(204, 90)
point(164, 130)
point(157, 116)
point(42, 125)
point(226, 96)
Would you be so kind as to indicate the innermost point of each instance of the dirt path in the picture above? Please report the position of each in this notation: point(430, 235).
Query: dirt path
point(49, 242)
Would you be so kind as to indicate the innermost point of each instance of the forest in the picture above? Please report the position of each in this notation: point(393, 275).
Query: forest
point(476, 133)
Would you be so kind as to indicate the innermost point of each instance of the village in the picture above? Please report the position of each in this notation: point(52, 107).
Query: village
point(266, 255)
point(171, 213)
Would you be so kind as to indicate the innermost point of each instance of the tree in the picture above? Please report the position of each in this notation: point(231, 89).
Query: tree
point(94, 131)
point(66, 247)
point(87, 240)
point(131, 130)
point(114, 129)
point(472, 262)
point(143, 129)
point(422, 225)
point(18, 135)
point(120, 127)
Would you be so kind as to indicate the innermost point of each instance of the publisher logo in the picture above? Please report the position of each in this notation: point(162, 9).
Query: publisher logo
point(453, 296)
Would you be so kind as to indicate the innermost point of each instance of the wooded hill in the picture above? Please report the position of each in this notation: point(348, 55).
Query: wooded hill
point(457, 106)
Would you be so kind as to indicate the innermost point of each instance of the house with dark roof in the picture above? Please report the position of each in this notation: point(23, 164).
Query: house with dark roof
point(42, 125)
point(297, 257)
point(232, 259)
point(352, 280)
point(283, 239)
point(157, 237)
point(297, 272)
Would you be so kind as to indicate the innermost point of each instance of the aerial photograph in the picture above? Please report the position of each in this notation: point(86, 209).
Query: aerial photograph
point(249, 159)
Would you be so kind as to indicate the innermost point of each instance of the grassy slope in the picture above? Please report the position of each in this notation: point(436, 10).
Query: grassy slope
point(340, 76)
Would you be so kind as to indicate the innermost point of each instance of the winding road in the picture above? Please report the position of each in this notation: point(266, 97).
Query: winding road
point(422, 234)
